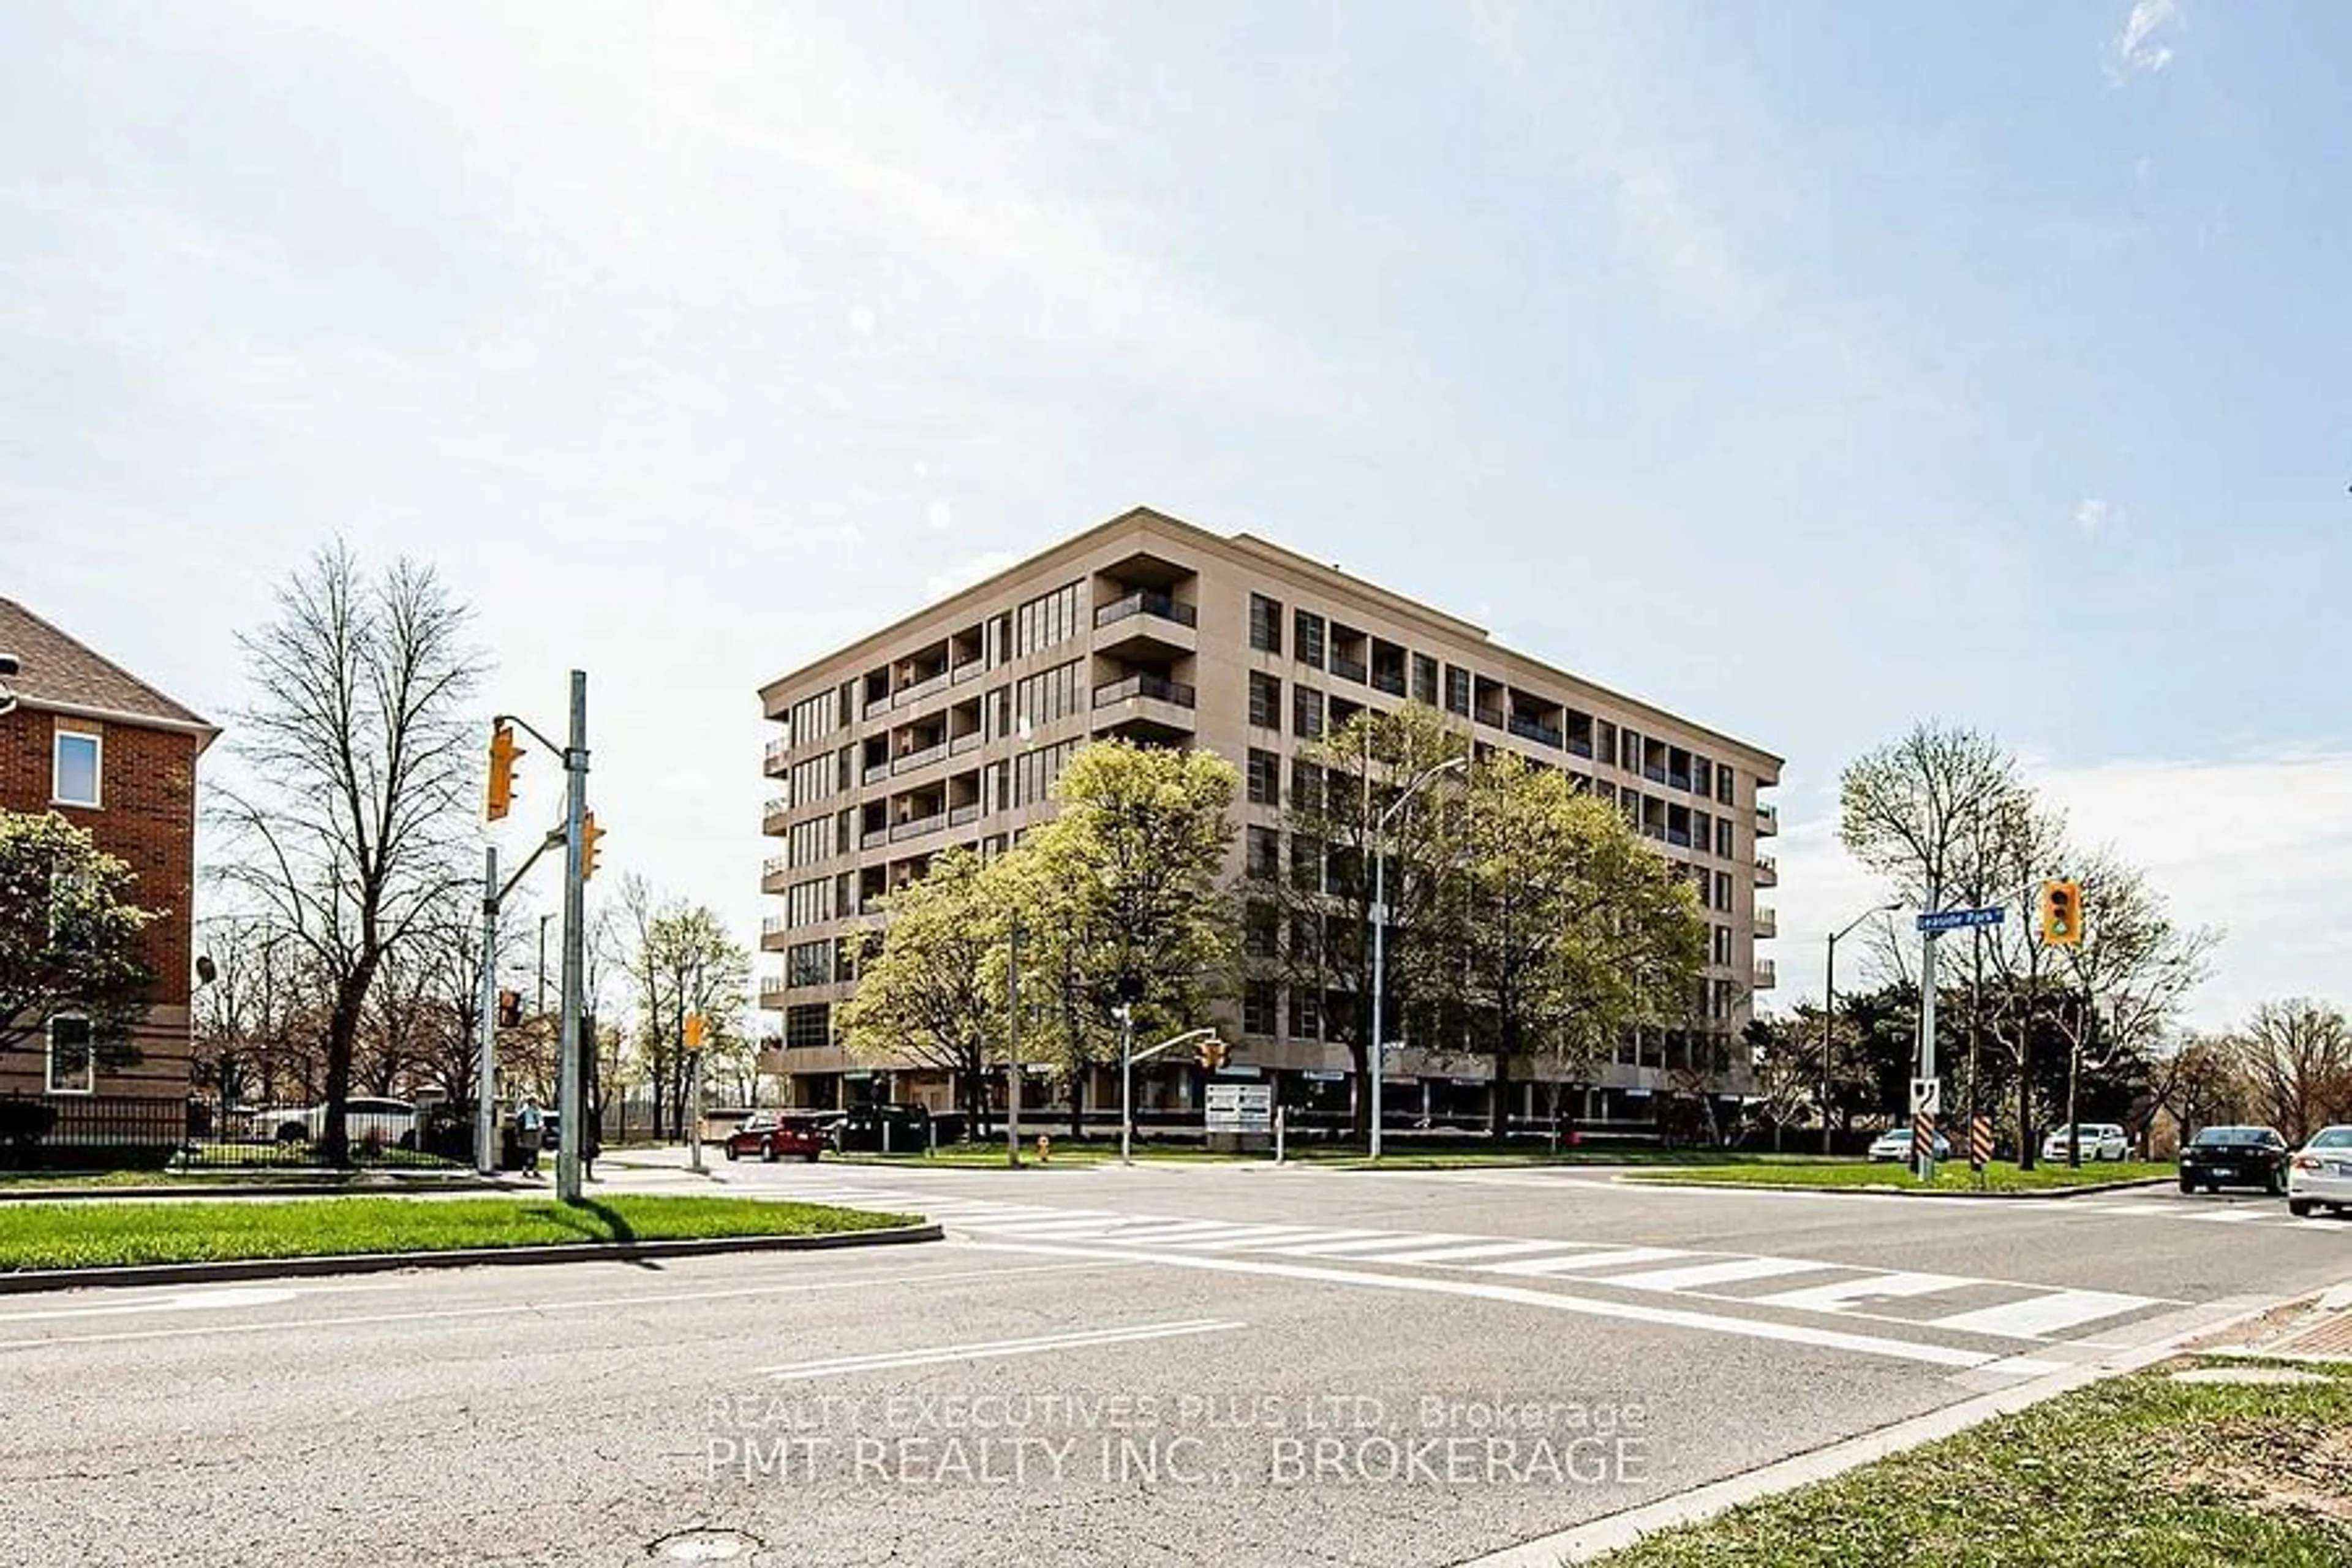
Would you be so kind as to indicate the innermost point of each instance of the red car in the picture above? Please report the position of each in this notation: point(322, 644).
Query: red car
point(772, 1136)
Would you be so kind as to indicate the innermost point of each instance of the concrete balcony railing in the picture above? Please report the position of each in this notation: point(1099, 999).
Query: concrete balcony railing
point(924, 758)
point(878, 774)
point(773, 764)
point(1768, 821)
point(1768, 924)
point(1768, 871)
point(875, 839)
point(1534, 730)
point(771, 869)
point(971, 670)
point(1158, 687)
point(772, 815)
point(964, 816)
point(962, 744)
point(1146, 602)
point(919, 690)
point(915, 828)
point(1765, 977)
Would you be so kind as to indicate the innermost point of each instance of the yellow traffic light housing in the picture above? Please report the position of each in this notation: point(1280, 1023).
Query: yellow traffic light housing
point(504, 755)
point(694, 1031)
point(589, 833)
point(1213, 1056)
point(509, 1009)
point(2062, 914)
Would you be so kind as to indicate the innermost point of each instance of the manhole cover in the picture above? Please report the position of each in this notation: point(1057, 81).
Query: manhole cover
point(703, 1546)
point(2247, 1374)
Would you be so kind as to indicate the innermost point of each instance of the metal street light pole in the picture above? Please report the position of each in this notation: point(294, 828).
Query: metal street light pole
point(1126, 1082)
point(1381, 926)
point(1012, 1047)
point(1829, 1010)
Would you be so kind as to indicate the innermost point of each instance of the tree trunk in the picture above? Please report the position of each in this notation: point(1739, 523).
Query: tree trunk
point(2025, 1142)
point(342, 1033)
point(1079, 1102)
point(1498, 1113)
point(1360, 1116)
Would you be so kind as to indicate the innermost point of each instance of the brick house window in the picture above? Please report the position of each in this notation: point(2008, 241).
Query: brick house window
point(73, 1067)
point(76, 781)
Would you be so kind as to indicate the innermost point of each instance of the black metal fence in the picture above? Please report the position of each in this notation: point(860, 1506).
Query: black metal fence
point(111, 1133)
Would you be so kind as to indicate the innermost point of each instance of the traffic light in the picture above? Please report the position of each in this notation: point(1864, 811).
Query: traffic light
point(2062, 914)
point(589, 833)
point(694, 1031)
point(1212, 1054)
point(504, 755)
point(509, 1009)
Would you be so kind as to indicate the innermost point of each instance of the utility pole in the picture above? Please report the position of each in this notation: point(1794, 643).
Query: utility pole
point(486, 1116)
point(575, 809)
point(540, 1008)
point(1924, 1150)
point(1126, 1082)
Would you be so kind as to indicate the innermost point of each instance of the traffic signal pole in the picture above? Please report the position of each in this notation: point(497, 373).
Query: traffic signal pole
point(486, 1114)
point(575, 811)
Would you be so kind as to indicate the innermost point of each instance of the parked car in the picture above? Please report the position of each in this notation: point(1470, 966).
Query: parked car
point(1894, 1144)
point(388, 1123)
point(2221, 1157)
point(889, 1129)
point(2100, 1141)
point(2321, 1173)
point(771, 1136)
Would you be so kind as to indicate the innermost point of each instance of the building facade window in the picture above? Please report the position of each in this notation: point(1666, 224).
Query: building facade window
point(1046, 620)
point(808, 1025)
point(1055, 693)
point(1724, 790)
point(78, 766)
point(809, 842)
point(1261, 930)
point(1306, 784)
point(1264, 778)
point(812, 780)
point(1458, 690)
point(1305, 1014)
point(1305, 712)
point(808, 903)
point(1723, 891)
point(1258, 1009)
point(1266, 624)
point(73, 1065)
point(1310, 638)
point(1723, 945)
point(1723, 838)
point(809, 963)
point(1261, 851)
point(1033, 772)
point(1265, 700)
point(1425, 679)
point(814, 718)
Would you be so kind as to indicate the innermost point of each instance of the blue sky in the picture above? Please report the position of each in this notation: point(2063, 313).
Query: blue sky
point(1803, 367)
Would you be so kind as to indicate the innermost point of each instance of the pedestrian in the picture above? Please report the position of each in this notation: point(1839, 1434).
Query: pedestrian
point(527, 1133)
point(591, 1146)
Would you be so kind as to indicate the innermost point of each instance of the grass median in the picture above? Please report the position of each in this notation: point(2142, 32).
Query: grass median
point(2142, 1471)
point(35, 1237)
point(1340, 1156)
point(1839, 1176)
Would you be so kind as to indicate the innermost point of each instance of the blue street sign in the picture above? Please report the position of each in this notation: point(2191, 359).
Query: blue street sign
point(1961, 920)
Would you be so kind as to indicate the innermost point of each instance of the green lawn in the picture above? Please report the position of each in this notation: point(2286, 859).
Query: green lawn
point(1340, 1156)
point(2141, 1472)
point(96, 1235)
point(1950, 1176)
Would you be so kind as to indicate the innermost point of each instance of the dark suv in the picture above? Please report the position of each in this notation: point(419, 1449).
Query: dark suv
point(885, 1128)
point(2221, 1157)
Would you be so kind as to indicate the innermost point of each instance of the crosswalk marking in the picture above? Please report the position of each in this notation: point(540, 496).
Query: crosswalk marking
point(1845, 1295)
point(2037, 1316)
point(1349, 1241)
point(1583, 1261)
point(1471, 1254)
point(1731, 1271)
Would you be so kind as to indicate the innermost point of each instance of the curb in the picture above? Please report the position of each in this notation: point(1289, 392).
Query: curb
point(25, 1282)
point(320, 1189)
point(1614, 1532)
point(2046, 1194)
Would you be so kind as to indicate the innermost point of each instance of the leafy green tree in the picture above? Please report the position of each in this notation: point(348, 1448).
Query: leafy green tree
point(926, 996)
point(1119, 899)
point(1567, 929)
point(69, 937)
point(681, 961)
point(1316, 917)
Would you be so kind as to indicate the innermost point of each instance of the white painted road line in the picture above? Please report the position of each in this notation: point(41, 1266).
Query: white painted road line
point(1481, 1250)
point(1547, 1300)
point(940, 1355)
point(1348, 1241)
point(1578, 1262)
point(1696, 1275)
point(2039, 1315)
point(1848, 1294)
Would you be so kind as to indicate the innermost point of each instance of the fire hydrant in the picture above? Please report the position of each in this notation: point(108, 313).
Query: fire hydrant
point(1045, 1147)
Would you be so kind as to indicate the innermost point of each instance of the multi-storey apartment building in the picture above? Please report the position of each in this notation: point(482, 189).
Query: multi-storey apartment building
point(950, 727)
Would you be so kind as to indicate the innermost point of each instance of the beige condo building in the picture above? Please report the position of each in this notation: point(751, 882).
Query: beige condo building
point(949, 726)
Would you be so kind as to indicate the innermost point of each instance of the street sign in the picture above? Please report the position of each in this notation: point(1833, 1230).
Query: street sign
point(1239, 1107)
point(1961, 920)
point(1927, 1096)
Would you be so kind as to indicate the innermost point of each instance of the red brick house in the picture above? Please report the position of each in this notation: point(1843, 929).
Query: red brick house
point(86, 739)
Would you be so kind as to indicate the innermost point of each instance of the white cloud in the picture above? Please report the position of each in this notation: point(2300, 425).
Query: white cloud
point(2137, 47)
point(2091, 514)
point(2260, 846)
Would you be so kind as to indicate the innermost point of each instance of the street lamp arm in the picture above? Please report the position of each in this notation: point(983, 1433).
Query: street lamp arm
point(1186, 1038)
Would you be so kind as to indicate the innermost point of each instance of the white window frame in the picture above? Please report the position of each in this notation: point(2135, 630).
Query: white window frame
point(89, 1057)
point(97, 770)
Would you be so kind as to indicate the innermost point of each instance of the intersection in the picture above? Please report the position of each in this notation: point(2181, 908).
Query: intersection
point(1260, 1365)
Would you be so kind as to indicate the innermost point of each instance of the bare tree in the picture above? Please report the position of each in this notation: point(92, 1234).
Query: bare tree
point(349, 827)
point(2199, 1080)
point(2297, 1058)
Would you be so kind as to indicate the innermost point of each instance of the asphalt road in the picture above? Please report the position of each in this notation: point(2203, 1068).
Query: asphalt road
point(1166, 1365)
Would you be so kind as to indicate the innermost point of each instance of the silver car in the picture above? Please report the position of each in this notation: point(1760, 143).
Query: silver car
point(2321, 1173)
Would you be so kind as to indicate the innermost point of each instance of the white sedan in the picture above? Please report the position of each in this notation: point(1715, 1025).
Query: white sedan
point(2321, 1173)
point(389, 1123)
point(1894, 1144)
point(2100, 1141)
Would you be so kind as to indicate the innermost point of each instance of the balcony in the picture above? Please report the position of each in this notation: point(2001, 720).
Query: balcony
point(962, 744)
point(1154, 688)
point(771, 991)
point(964, 816)
point(1679, 837)
point(1492, 716)
point(1347, 668)
point(1679, 781)
point(1532, 729)
point(875, 839)
point(771, 870)
point(971, 671)
point(875, 706)
point(1768, 871)
point(774, 766)
point(1768, 924)
point(772, 815)
point(1576, 748)
point(920, 690)
point(1764, 978)
point(1768, 821)
point(1151, 708)
point(1656, 776)
point(1388, 681)
point(878, 774)
point(1146, 624)
point(924, 758)
point(915, 828)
